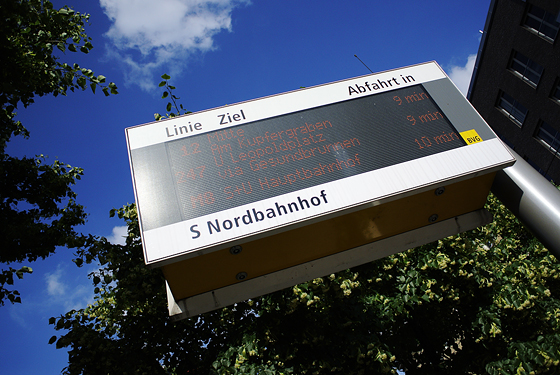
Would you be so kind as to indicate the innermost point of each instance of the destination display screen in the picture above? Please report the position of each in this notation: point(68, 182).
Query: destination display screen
point(229, 174)
point(242, 164)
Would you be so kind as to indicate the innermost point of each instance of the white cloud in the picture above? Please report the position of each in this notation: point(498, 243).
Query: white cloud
point(461, 75)
point(18, 313)
point(149, 34)
point(62, 292)
point(55, 287)
point(119, 235)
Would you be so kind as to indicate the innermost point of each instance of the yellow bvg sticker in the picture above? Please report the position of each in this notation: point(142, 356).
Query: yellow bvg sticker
point(471, 137)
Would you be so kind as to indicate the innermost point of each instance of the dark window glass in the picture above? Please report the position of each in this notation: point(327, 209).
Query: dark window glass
point(526, 69)
point(555, 95)
point(548, 135)
point(512, 108)
point(542, 23)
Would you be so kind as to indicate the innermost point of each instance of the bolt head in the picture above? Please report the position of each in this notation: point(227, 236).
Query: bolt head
point(235, 250)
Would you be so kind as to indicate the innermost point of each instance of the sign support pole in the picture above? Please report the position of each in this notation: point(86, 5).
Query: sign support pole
point(533, 200)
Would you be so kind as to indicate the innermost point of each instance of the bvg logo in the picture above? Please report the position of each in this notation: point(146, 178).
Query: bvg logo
point(474, 139)
point(471, 137)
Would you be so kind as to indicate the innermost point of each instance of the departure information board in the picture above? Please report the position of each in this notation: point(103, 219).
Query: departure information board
point(228, 173)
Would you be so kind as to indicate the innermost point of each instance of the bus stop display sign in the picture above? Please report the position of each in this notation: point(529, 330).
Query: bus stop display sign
point(209, 178)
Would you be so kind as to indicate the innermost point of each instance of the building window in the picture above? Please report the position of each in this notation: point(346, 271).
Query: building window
point(549, 136)
point(542, 23)
point(525, 68)
point(512, 108)
point(555, 95)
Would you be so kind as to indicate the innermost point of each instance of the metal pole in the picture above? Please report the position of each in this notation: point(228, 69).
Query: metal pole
point(533, 199)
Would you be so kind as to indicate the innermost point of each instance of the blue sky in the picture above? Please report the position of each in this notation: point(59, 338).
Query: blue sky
point(217, 52)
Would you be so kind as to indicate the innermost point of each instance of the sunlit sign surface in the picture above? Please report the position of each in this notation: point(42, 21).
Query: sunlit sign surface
point(215, 177)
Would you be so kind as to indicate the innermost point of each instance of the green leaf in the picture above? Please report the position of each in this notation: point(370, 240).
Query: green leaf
point(161, 84)
point(79, 261)
point(59, 324)
point(165, 95)
point(52, 340)
point(165, 76)
point(81, 82)
point(72, 47)
point(168, 107)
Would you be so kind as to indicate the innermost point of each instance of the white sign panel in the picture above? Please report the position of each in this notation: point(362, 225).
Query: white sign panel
point(215, 177)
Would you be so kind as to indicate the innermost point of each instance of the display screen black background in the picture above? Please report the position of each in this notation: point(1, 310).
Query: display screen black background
point(383, 130)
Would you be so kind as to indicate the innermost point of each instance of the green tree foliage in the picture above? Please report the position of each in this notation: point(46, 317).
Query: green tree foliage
point(482, 302)
point(38, 210)
point(168, 93)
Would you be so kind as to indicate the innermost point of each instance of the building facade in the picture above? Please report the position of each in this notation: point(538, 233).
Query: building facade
point(516, 81)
